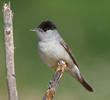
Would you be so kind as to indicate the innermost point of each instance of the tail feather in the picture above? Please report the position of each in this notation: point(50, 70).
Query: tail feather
point(86, 85)
point(76, 74)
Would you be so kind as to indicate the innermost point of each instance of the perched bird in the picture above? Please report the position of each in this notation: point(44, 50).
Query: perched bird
point(52, 48)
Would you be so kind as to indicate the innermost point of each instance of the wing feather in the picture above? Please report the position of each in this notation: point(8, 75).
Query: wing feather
point(62, 42)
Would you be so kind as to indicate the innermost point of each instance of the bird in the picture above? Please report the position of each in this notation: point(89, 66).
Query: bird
point(52, 48)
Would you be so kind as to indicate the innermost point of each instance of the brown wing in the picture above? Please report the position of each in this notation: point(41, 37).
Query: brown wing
point(62, 42)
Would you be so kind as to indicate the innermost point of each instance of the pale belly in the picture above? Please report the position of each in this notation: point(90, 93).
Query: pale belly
point(51, 52)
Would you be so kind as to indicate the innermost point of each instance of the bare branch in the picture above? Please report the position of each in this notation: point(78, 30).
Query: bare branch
point(54, 82)
point(9, 51)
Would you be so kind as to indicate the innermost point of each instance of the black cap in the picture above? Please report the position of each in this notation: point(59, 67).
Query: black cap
point(47, 25)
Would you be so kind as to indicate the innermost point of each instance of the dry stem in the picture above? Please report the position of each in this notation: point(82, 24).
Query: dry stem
point(54, 82)
point(9, 51)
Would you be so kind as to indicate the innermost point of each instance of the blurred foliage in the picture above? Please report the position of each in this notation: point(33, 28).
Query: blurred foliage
point(84, 25)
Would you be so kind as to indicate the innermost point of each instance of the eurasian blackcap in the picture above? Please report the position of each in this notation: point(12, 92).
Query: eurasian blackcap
point(52, 48)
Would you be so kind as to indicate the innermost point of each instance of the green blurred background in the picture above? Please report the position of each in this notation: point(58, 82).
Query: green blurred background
point(84, 25)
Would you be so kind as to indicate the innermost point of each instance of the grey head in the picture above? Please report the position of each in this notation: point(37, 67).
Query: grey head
point(46, 30)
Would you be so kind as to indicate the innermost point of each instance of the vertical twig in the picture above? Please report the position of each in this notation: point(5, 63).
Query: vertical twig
point(54, 82)
point(9, 51)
